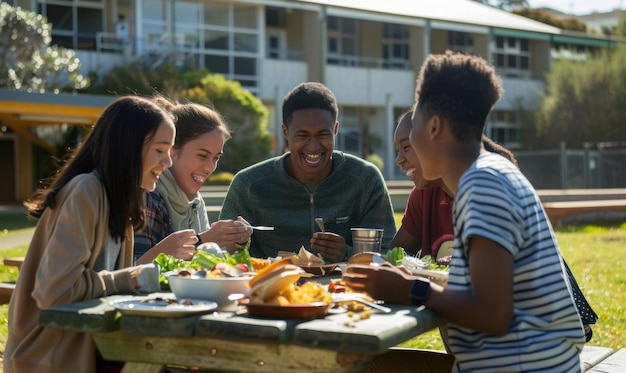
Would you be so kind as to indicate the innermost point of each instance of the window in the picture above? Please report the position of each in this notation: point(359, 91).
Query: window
point(512, 57)
point(275, 17)
point(276, 45)
point(75, 23)
point(460, 41)
point(506, 128)
point(342, 41)
point(570, 52)
point(219, 36)
point(395, 46)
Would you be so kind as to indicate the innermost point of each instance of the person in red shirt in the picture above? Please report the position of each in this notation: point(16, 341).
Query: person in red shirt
point(428, 214)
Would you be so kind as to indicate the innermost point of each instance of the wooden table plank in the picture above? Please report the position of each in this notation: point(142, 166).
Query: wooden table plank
point(222, 340)
point(615, 363)
point(210, 353)
point(90, 316)
point(375, 334)
point(592, 355)
point(248, 329)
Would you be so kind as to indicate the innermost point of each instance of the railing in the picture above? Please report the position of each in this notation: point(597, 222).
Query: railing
point(359, 61)
point(107, 42)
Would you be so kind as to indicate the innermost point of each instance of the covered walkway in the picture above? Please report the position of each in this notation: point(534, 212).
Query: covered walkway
point(21, 113)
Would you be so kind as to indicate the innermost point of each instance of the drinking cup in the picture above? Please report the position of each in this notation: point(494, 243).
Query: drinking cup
point(366, 239)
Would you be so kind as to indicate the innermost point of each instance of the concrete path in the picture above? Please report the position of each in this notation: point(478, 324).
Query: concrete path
point(22, 238)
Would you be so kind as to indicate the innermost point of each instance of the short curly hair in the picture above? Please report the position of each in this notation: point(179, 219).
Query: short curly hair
point(309, 95)
point(460, 87)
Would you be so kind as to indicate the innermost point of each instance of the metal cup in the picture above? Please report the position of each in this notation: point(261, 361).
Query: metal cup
point(366, 239)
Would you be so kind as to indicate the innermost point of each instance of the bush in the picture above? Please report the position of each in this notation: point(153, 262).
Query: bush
point(220, 178)
point(376, 160)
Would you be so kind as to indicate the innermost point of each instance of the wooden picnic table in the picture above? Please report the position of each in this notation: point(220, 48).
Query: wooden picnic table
point(6, 288)
point(225, 340)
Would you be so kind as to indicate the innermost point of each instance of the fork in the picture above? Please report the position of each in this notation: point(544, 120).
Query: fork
point(346, 297)
point(261, 228)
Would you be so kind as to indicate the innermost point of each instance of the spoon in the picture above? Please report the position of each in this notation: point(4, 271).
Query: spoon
point(320, 223)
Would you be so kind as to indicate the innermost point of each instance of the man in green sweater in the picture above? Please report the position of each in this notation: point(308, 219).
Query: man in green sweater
point(310, 181)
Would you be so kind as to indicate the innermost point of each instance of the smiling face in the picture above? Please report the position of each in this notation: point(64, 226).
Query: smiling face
point(407, 158)
point(196, 160)
point(310, 136)
point(155, 154)
point(420, 139)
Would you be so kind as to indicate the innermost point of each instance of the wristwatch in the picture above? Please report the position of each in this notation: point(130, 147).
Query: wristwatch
point(420, 290)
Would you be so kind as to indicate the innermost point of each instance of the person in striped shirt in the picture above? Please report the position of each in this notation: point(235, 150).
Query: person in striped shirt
point(508, 302)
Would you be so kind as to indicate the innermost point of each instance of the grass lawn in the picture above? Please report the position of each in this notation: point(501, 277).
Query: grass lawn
point(595, 254)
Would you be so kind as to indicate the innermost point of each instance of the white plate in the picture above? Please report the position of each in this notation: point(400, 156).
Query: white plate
point(161, 307)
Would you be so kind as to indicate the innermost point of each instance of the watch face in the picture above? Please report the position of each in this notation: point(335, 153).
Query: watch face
point(420, 290)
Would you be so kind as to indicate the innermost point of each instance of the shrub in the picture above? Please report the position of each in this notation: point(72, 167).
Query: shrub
point(376, 160)
point(219, 178)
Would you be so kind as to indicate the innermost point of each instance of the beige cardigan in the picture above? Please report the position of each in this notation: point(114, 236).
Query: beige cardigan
point(58, 269)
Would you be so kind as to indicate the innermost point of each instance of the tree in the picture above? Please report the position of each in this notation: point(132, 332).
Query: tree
point(27, 61)
point(543, 16)
point(245, 113)
point(590, 108)
point(620, 29)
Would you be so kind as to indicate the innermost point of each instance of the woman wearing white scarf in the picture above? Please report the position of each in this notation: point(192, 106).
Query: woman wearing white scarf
point(176, 218)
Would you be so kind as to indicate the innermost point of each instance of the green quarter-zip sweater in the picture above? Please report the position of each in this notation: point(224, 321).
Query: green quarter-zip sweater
point(354, 195)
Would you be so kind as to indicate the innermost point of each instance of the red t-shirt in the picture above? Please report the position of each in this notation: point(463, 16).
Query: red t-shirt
point(428, 217)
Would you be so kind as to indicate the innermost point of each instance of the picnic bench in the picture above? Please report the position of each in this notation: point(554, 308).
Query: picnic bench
point(6, 288)
point(559, 210)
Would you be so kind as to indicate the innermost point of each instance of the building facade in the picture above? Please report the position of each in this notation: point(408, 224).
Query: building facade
point(367, 52)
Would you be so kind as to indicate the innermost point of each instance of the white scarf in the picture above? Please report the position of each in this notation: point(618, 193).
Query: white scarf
point(180, 208)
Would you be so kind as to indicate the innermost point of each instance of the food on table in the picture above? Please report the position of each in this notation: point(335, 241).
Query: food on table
point(276, 284)
point(304, 258)
point(219, 270)
point(444, 260)
point(259, 263)
point(437, 265)
point(395, 255)
point(169, 302)
point(201, 260)
point(429, 268)
point(339, 286)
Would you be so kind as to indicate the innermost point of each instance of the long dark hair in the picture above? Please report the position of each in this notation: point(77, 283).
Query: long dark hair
point(114, 150)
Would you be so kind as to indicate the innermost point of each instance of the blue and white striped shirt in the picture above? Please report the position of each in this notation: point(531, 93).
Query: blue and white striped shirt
point(495, 201)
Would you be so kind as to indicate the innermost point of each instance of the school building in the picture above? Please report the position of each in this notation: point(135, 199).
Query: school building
point(368, 52)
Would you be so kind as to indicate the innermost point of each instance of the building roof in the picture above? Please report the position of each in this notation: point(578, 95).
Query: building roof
point(22, 111)
point(454, 11)
point(602, 16)
point(19, 108)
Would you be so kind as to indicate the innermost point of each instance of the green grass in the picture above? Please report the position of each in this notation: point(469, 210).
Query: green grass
point(595, 254)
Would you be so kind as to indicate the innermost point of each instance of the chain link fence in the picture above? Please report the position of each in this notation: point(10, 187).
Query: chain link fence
point(598, 167)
